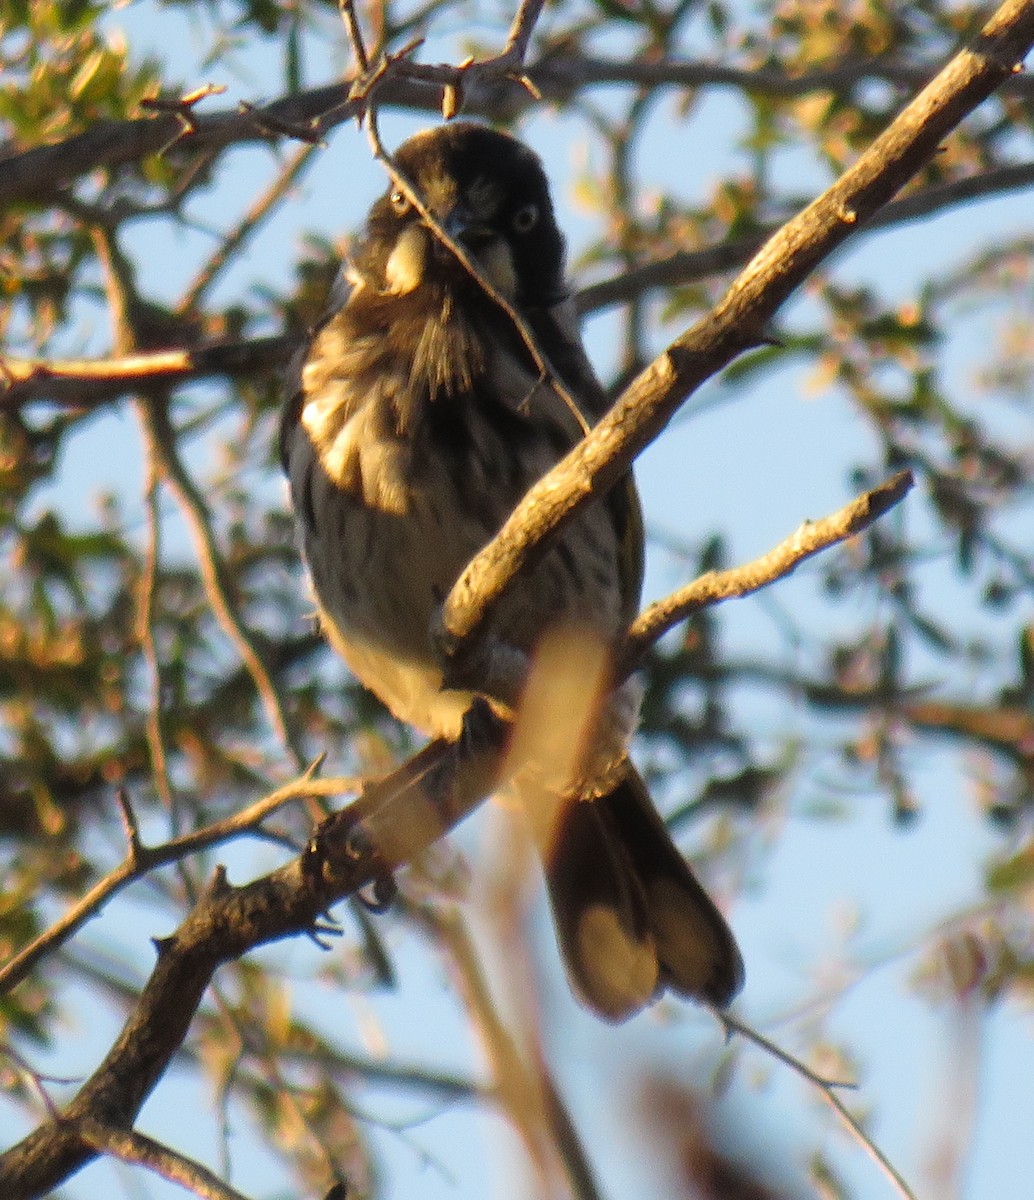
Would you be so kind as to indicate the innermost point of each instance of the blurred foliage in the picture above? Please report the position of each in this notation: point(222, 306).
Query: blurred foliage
point(117, 672)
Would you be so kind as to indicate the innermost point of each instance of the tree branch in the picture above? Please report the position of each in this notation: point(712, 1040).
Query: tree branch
point(716, 586)
point(827, 1089)
point(738, 322)
point(391, 823)
point(691, 265)
point(557, 76)
point(88, 383)
point(140, 860)
point(132, 1147)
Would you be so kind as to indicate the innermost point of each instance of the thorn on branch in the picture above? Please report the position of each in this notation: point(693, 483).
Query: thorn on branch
point(183, 106)
point(314, 768)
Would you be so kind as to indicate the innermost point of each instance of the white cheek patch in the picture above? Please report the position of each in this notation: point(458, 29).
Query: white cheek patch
point(404, 270)
point(496, 264)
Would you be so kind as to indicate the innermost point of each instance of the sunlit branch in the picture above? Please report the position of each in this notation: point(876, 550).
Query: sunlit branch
point(141, 1150)
point(739, 320)
point(142, 859)
point(716, 586)
point(87, 383)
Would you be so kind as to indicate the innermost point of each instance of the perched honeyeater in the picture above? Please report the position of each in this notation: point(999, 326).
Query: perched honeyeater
point(417, 421)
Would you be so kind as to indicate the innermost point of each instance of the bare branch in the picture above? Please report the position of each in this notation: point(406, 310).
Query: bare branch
point(142, 859)
point(827, 1089)
point(716, 586)
point(35, 174)
point(164, 448)
point(132, 1147)
point(355, 35)
point(521, 1084)
point(401, 816)
point(738, 322)
point(88, 383)
point(246, 227)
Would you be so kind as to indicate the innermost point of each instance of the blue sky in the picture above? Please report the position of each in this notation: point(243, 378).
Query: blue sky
point(833, 899)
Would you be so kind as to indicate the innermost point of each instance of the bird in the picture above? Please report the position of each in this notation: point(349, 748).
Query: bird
point(420, 411)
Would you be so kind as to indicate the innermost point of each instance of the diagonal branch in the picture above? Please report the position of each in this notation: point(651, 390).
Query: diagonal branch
point(827, 1089)
point(400, 817)
point(716, 586)
point(132, 1147)
point(738, 322)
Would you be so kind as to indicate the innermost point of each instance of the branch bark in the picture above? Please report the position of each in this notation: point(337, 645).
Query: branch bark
point(737, 323)
point(398, 817)
point(37, 173)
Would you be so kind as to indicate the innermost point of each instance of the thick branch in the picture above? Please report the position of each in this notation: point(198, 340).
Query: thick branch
point(739, 320)
point(398, 817)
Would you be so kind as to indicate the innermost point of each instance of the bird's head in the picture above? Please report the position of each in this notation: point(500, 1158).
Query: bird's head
point(489, 193)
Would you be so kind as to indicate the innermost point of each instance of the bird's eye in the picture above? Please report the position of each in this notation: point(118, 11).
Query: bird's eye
point(399, 201)
point(525, 219)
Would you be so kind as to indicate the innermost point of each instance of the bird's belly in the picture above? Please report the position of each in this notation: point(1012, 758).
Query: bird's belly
point(384, 558)
point(379, 578)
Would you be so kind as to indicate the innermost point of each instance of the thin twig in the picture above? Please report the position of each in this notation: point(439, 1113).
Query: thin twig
point(143, 859)
point(148, 583)
point(88, 382)
point(355, 34)
point(218, 588)
point(35, 1080)
point(690, 266)
point(246, 227)
point(547, 376)
point(520, 1086)
point(827, 1089)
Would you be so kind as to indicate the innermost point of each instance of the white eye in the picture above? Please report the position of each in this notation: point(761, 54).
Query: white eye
point(399, 201)
point(525, 219)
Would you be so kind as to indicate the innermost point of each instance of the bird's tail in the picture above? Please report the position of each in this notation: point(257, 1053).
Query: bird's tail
point(631, 917)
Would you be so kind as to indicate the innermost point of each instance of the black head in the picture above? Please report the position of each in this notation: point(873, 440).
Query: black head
point(489, 192)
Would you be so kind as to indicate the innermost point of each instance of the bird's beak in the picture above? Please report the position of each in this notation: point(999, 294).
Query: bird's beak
point(486, 246)
point(463, 227)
